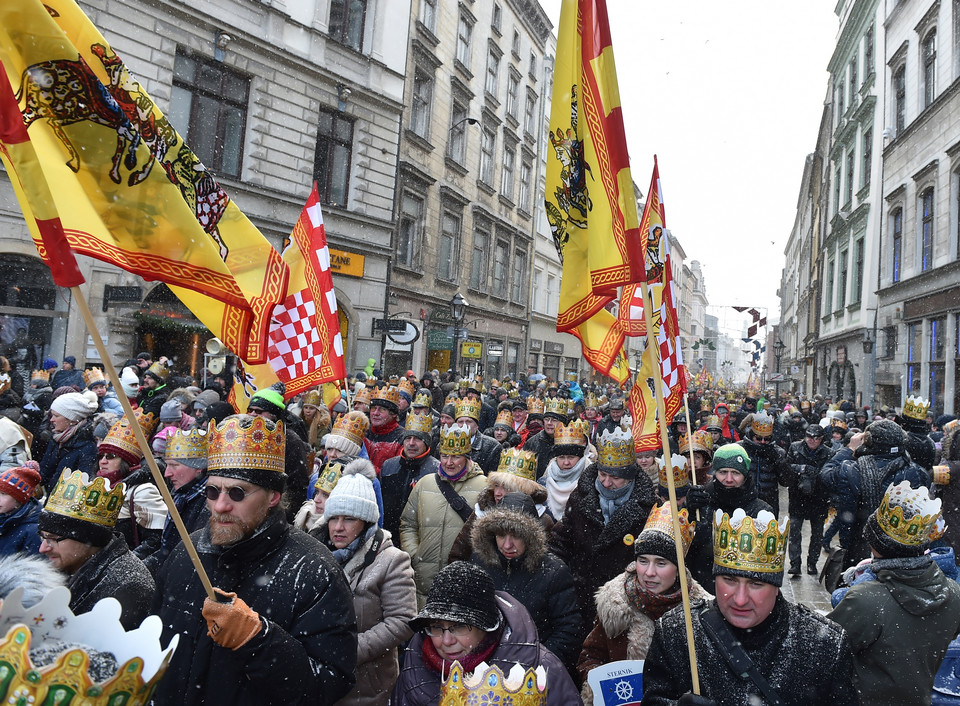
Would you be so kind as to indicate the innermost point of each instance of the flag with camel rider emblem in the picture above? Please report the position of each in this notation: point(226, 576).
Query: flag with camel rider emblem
point(126, 188)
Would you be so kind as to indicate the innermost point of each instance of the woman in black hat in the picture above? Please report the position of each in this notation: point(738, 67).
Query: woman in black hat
point(466, 620)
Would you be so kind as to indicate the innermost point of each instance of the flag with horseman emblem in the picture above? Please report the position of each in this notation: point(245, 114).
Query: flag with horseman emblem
point(128, 190)
point(589, 198)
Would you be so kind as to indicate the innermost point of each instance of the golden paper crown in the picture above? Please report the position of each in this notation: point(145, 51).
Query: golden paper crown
point(701, 440)
point(75, 641)
point(370, 382)
point(421, 423)
point(386, 394)
point(535, 405)
point(92, 376)
point(570, 376)
point(423, 398)
point(909, 516)
point(451, 398)
point(678, 466)
point(505, 417)
point(591, 400)
point(762, 424)
point(713, 422)
point(468, 408)
point(514, 394)
point(40, 375)
point(121, 436)
point(465, 384)
point(245, 442)
point(159, 369)
point(494, 383)
point(365, 396)
point(455, 440)
point(616, 449)
point(94, 501)
point(352, 426)
point(518, 462)
point(487, 685)
point(555, 405)
point(328, 477)
point(916, 408)
point(836, 423)
point(312, 398)
point(574, 433)
point(552, 385)
point(941, 475)
point(746, 544)
point(191, 443)
point(660, 520)
point(407, 386)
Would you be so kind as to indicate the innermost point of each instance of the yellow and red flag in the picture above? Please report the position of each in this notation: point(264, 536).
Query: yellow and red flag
point(305, 346)
point(653, 224)
point(128, 190)
point(589, 195)
point(643, 405)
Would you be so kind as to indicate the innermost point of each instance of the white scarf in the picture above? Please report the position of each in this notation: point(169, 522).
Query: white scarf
point(560, 484)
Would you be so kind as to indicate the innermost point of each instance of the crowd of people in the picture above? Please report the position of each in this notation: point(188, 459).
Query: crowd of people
point(360, 548)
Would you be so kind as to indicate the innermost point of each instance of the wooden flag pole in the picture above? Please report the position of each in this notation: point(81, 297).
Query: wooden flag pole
point(142, 442)
point(654, 351)
point(686, 409)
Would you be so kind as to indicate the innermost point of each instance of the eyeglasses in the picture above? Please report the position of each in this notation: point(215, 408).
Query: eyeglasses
point(236, 493)
point(458, 630)
point(50, 539)
point(108, 456)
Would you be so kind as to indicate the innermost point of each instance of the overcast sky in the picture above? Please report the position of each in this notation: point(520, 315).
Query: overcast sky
point(729, 95)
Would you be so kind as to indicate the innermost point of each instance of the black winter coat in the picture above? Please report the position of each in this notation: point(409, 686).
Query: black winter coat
point(307, 649)
point(78, 454)
point(397, 478)
point(150, 401)
point(114, 572)
point(801, 475)
point(596, 552)
point(804, 657)
point(192, 505)
point(767, 463)
point(298, 474)
point(538, 579)
point(485, 452)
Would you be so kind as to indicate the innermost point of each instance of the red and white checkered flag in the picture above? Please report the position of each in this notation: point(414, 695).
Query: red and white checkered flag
point(672, 369)
point(306, 347)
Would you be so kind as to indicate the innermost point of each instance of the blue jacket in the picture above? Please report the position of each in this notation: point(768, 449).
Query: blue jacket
point(18, 530)
point(943, 556)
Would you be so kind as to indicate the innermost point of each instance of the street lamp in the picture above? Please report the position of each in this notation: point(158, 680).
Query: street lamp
point(778, 353)
point(458, 309)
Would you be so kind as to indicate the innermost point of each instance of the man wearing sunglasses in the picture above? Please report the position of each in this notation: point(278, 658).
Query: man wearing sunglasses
point(283, 630)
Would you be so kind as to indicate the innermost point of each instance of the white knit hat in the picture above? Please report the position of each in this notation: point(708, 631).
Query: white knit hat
point(340, 443)
point(353, 497)
point(129, 382)
point(76, 405)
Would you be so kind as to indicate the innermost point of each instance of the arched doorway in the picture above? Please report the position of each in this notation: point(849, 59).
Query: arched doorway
point(33, 313)
point(166, 327)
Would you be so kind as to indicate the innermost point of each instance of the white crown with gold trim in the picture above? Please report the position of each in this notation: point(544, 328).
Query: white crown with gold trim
point(488, 685)
point(678, 467)
point(64, 678)
point(916, 408)
point(910, 516)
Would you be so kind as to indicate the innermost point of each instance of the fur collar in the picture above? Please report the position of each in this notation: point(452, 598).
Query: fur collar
point(521, 526)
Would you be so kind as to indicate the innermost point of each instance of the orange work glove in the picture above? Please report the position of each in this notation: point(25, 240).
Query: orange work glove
point(232, 623)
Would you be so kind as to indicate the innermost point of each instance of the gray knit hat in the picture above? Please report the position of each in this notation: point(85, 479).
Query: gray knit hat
point(353, 496)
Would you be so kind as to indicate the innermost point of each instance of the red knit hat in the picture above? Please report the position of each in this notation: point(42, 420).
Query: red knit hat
point(20, 482)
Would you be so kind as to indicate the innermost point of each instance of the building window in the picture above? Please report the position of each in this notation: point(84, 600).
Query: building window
point(897, 227)
point(447, 248)
point(506, 176)
point(533, 65)
point(457, 144)
point(914, 347)
point(530, 113)
point(208, 106)
point(411, 227)
point(858, 254)
point(928, 52)
point(828, 300)
point(938, 341)
point(492, 84)
point(526, 174)
point(890, 334)
point(346, 22)
point(428, 14)
point(464, 41)
point(926, 230)
point(851, 162)
point(513, 95)
point(867, 156)
point(519, 273)
point(500, 257)
point(868, 52)
point(840, 91)
point(836, 187)
point(539, 295)
point(497, 17)
point(842, 288)
point(331, 164)
point(488, 144)
point(900, 98)
point(515, 47)
point(853, 80)
point(422, 102)
point(481, 246)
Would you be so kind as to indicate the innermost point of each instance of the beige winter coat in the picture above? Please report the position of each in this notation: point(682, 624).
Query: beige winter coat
point(384, 600)
point(429, 526)
point(620, 631)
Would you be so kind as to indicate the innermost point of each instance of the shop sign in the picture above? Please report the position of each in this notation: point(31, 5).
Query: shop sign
point(471, 349)
point(346, 263)
point(553, 347)
point(438, 340)
point(536, 344)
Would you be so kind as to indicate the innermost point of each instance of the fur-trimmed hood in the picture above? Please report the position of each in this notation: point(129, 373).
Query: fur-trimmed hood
point(520, 525)
point(31, 572)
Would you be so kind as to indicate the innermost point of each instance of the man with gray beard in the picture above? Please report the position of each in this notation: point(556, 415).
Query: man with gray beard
point(283, 628)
